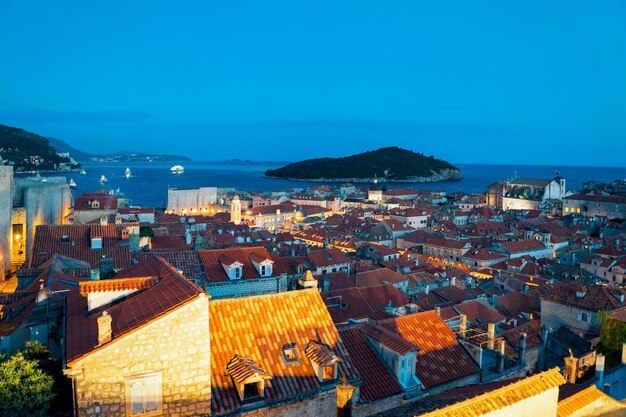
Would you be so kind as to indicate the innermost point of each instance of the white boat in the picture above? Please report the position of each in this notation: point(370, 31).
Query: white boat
point(177, 169)
point(72, 184)
point(127, 173)
point(103, 179)
point(83, 172)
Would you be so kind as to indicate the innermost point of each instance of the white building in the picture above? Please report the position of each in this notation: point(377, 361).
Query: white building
point(193, 200)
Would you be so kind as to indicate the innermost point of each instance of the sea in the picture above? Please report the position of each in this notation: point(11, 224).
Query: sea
point(148, 184)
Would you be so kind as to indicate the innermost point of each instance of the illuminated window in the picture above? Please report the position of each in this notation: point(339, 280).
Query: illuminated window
point(290, 353)
point(144, 395)
point(329, 372)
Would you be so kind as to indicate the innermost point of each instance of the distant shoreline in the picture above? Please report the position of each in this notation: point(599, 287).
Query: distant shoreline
point(420, 180)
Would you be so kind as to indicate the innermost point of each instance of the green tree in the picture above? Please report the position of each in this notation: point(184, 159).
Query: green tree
point(25, 389)
point(612, 332)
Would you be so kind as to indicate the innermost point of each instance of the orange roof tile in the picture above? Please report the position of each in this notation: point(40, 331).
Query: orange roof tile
point(257, 328)
point(503, 397)
point(440, 358)
point(122, 284)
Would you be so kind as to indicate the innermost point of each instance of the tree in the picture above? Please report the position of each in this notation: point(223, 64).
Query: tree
point(25, 389)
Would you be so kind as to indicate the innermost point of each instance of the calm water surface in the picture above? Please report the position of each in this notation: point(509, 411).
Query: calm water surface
point(149, 182)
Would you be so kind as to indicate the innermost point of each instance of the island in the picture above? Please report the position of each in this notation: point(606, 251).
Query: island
point(392, 164)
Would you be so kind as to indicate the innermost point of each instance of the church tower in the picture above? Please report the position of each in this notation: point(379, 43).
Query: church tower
point(235, 210)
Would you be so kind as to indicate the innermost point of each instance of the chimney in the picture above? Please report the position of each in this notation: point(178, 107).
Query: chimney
point(452, 281)
point(426, 289)
point(491, 336)
point(307, 280)
point(438, 311)
point(42, 295)
point(106, 268)
point(463, 325)
point(501, 347)
point(522, 348)
point(104, 328)
point(544, 334)
point(600, 370)
point(571, 365)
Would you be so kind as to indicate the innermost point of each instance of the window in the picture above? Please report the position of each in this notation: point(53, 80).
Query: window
point(251, 391)
point(237, 273)
point(329, 372)
point(583, 317)
point(290, 353)
point(144, 396)
point(263, 269)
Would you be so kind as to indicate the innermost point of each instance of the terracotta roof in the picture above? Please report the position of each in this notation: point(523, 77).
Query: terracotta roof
point(451, 293)
point(596, 298)
point(479, 313)
point(522, 245)
point(389, 339)
point(440, 358)
point(122, 284)
point(360, 302)
point(187, 261)
point(74, 241)
point(257, 328)
point(326, 257)
point(601, 404)
point(212, 262)
point(378, 277)
point(503, 397)
point(515, 303)
point(169, 292)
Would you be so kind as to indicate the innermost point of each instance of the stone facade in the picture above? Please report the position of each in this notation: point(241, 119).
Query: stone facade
point(555, 315)
point(247, 287)
point(196, 199)
point(182, 360)
point(322, 404)
point(6, 190)
point(46, 202)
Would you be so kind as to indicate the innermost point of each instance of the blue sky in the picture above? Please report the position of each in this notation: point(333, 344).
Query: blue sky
point(488, 81)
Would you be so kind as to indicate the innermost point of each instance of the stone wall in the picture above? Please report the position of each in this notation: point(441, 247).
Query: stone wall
point(182, 357)
point(246, 287)
point(320, 405)
point(45, 204)
point(555, 315)
point(6, 191)
point(375, 407)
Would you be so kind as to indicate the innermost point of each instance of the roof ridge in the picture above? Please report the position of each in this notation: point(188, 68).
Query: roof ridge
point(494, 400)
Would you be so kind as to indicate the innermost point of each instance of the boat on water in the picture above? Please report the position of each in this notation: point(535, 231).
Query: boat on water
point(177, 169)
point(103, 180)
point(72, 184)
point(127, 173)
point(83, 172)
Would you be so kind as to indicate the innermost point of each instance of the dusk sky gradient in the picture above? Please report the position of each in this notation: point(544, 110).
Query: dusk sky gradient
point(524, 82)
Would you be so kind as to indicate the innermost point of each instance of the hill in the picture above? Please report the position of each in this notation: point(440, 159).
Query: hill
point(122, 156)
point(62, 146)
point(393, 164)
point(27, 151)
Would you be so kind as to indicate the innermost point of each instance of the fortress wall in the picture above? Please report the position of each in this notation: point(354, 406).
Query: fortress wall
point(6, 191)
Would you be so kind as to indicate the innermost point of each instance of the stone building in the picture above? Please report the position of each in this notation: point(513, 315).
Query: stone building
point(26, 203)
point(239, 272)
point(576, 306)
point(253, 356)
point(525, 193)
point(192, 200)
point(37, 202)
point(610, 206)
point(6, 193)
point(120, 354)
